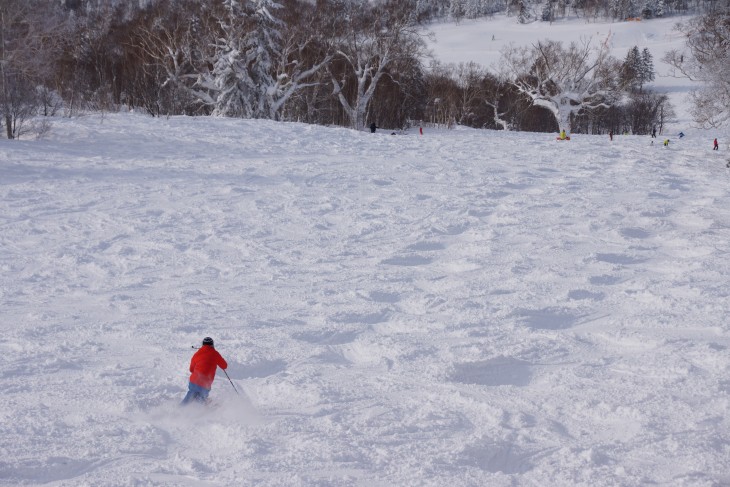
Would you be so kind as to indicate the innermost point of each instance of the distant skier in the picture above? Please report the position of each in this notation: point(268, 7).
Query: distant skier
point(202, 369)
point(666, 142)
point(563, 135)
point(373, 127)
point(653, 132)
point(681, 134)
point(715, 146)
point(610, 135)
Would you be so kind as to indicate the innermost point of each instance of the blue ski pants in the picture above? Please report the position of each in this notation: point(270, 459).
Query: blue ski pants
point(195, 393)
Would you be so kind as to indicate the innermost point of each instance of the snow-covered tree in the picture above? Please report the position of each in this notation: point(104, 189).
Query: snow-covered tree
point(648, 10)
point(561, 7)
point(243, 72)
point(178, 47)
point(524, 16)
point(232, 85)
point(623, 9)
point(457, 9)
point(203, 57)
point(29, 39)
point(243, 63)
point(366, 49)
point(660, 9)
point(298, 62)
point(469, 78)
point(473, 9)
point(548, 12)
point(562, 80)
point(494, 89)
point(706, 59)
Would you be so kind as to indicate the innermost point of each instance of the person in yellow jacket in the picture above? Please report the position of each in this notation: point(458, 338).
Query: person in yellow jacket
point(563, 135)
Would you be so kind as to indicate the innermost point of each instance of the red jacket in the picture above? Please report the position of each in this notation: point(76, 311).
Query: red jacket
point(203, 366)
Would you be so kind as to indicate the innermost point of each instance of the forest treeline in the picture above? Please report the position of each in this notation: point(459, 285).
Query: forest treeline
point(331, 62)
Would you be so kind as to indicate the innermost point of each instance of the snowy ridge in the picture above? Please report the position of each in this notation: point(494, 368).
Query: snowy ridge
point(464, 307)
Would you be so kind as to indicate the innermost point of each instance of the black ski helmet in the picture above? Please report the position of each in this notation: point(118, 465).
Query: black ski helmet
point(208, 341)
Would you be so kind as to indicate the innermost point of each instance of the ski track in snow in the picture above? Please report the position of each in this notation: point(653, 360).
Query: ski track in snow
point(464, 307)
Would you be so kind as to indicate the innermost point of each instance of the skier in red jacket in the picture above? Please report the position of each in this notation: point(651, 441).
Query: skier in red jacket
point(202, 371)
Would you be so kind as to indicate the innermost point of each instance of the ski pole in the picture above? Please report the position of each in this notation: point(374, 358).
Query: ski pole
point(229, 380)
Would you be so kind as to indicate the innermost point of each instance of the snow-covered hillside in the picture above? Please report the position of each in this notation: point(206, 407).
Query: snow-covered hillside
point(481, 41)
point(459, 308)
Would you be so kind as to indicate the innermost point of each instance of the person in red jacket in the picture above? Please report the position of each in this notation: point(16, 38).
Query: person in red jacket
point(202, 371)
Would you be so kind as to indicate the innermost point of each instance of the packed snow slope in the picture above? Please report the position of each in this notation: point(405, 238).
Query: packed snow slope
point(461, 308)
point(481, 40)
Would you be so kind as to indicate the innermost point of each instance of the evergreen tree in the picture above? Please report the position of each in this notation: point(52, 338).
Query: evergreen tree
point(231, 81)
point(616, 7)
point(263, 44)
point(646, 72)
point(242, 73)
point(472, 9)
point(524, 16)
point(457, 9)
point(623, 9)
point(548, 14)
point(660, 8)
point(561, 8)
point(631, 69)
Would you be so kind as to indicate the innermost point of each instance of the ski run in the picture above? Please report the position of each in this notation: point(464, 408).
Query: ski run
point(461, 307)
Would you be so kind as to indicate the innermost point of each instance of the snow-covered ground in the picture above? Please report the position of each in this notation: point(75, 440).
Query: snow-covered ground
point(461, 308)
point(482, 40)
